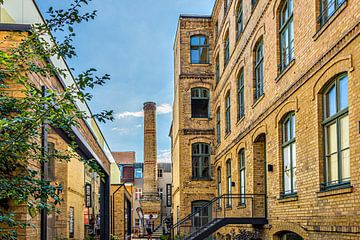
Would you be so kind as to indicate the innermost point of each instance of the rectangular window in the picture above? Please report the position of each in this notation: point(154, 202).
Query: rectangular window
point(239, 20)
point(219, 186)
point(289, 155)
point(259, 70)
point(201, 160)
point(336, 133)
point(241, 98)
point(217, 70)
point(160, 172)
point(199, 50)
point(286, 34)
point(218, 126)
point(161, 193)
point(138, 193)
point(227, 114)
point(327, 9)
point(199, 103)
point(138, 173)
point(229, 183)
point(227, 50)
point(242, 176)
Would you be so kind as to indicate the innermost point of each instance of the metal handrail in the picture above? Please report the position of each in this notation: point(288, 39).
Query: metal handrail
point(210, 203)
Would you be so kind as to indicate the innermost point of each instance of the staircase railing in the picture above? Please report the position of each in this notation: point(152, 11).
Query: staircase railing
point(246, 206)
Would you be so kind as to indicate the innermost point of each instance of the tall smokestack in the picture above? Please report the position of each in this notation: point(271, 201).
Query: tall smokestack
point(150, 153)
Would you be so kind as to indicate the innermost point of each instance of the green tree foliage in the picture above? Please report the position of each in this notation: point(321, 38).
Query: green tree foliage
point(23, 114)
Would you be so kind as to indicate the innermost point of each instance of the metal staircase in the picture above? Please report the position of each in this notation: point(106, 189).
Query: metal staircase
point(219, 212)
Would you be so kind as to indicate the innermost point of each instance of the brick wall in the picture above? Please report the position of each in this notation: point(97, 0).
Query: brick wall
point(320, 54)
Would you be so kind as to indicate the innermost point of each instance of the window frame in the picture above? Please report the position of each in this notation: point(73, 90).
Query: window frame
point(227, 113)
point(217, 70)
point(199, 47)
point(322, 18)
point(259, 66)
point(242, 168)
point(288, 26)
point(328, 121)
point(228, 183)
point(241, 95)
point(290, 117)
point(239, 20)
point(219, 185)
point(226, 49)
point(200, 98)
point(160, 172)
point(218, 125)
point(201, 157)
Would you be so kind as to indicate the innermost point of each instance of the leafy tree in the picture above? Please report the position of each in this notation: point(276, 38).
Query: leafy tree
point(27, 109)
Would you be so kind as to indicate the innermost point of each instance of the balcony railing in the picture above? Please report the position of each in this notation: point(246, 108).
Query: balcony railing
point(238, 208)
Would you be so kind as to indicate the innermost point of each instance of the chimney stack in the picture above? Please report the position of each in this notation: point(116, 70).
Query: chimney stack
point(150, 152)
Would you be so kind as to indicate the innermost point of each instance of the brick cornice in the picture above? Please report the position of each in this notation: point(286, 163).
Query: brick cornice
point(346, 39)
point(198, 131)
point(196, 76)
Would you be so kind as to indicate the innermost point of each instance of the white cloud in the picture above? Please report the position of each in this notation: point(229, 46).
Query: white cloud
point(127, 114)
point(139, 126)
point(121, 131)
point(162, 109)
point(164, 156)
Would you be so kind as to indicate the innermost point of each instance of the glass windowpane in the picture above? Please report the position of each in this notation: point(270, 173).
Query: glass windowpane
point(331, 139)
point(343, 93)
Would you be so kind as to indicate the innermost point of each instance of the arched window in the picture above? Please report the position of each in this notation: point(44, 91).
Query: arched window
point(229, 182)
point(289, 236)
point(286, 32)
point(201, 161)
point(242, 176)
point(289, 154)
point(200, 103)
point(327, 9)
point(218, 126)
point(336, 132)
point(200, 49)
point(259, 70)
point(241, 97)
point(226, 49)
point(227, 113)
point(239, 19)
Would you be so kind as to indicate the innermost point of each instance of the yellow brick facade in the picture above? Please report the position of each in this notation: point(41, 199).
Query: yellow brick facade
point(320, 54)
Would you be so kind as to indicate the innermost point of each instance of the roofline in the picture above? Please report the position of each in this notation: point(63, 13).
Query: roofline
point(195, 16)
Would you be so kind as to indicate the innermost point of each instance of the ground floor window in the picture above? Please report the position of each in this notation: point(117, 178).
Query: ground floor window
point(289, 236)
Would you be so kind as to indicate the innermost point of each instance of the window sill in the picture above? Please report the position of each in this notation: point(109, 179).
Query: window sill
point(200, 118)
point(227, 134)
point(283, 72)
point(200, 64)
point(201, 179)
point(288, 198)
point(257, 101)
point(240, 206)
point(329, 21)
point(335, 190)
point(240, 120)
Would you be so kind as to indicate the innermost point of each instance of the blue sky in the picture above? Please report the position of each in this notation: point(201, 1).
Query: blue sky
point(132, 40)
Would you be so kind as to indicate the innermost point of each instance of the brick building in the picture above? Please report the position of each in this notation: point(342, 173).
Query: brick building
point(85, 210)
point(266, 111)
